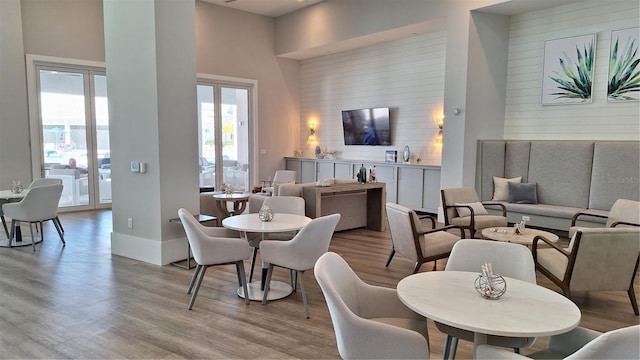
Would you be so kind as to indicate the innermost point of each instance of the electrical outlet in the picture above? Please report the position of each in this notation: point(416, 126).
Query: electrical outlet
point(130, 223)
point(526, 218)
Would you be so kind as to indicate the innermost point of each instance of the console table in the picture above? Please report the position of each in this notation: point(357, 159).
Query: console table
point(376, 197)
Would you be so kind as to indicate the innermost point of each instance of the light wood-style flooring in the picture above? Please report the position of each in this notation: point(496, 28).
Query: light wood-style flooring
point(80, 301)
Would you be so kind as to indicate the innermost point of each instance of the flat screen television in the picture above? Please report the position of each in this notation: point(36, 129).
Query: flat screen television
point(366, 126)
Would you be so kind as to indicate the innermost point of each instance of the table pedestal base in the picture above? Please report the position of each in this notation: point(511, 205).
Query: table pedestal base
point(277, 290)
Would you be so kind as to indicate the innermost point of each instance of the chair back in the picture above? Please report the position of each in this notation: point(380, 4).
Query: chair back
point(284, 176)
point(402, 229)
point(39, 204)
point(603, 258)
point(285, 204)
point(507, 259)
point(621, 343)
point(626, 211)
point(312, 241)
point(44, 181)
point(194, 233)
point(452, 196)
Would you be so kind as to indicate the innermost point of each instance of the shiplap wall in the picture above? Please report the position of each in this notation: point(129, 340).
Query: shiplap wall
point(525, 117)
point(406, 75)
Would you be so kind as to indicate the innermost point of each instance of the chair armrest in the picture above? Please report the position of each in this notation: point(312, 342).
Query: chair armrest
point(623, 223)
point(534, 246)
point(585, 213)
point(386, 304)
point(444, 228)
point(430, 217)
point(502, 207)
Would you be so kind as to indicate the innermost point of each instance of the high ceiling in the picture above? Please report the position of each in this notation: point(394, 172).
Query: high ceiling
point(273, 8)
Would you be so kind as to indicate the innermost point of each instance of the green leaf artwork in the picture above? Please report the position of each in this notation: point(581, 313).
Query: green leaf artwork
point(624, 71)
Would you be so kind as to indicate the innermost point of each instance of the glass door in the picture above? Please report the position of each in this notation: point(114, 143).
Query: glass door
point(224, 144)
point(75, 134)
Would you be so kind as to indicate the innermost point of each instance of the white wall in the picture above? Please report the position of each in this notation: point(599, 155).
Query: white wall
point(406, 75)
point(525, 117)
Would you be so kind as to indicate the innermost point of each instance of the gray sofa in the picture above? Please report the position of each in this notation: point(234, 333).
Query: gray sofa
point(571, 176)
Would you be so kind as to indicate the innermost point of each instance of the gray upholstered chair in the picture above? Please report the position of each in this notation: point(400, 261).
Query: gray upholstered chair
point(507, 259)
point(48, 181)
point(579, 343)
point(462, 207)
point(280, 177)
point(39, 205)
point(596, 259)
point(300, 253)
point(623, 213)
point(213, 246)
point(370, 322)
point(410, 239)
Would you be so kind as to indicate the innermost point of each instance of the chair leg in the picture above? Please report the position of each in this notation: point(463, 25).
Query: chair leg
point(243, 280)
point(59, 230)
point(195, 291)
point(454, 347)
point(196, 272)
point(13, 232)
point(57, 221)
point(447, 348)
point(393, 252)
point(4, 224)
point(266, 284)
point(253, 263)
point(33, 239)
point(304, 294)
point(632, 298)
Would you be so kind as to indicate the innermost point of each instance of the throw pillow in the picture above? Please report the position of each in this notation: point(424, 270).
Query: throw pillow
point(477, 207)
point(501, 187)
point(525, 193)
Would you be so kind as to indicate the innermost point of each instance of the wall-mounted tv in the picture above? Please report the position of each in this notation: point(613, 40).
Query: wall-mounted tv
point(366, 126)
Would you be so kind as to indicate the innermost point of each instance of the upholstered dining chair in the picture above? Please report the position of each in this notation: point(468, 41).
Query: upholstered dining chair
point(507, 259)
point(300, 253)
point(579, 343)
point(279, 204)
point(48, 181)
point(280, 177)
point(213, 246)
point(410, 239)
point(462, 207)
point(623, 213)
point(370, 322)
point(603, 259)
point(39, 205)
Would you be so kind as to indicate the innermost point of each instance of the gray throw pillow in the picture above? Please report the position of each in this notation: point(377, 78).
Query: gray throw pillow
point(525, 193)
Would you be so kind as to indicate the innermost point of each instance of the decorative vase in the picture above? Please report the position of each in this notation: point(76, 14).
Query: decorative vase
point(265, 214)
point(17, 187)
point(318, 152)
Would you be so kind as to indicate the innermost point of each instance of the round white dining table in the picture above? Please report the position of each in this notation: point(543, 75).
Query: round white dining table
point(525, 310)
point(251, 223)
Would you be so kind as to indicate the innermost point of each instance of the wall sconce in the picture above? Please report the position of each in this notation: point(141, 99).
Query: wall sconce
point(312, 140)
point(437, 142)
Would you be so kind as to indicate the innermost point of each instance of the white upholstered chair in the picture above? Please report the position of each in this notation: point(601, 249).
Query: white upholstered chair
point(623, 213)
point(213, 246)
point(39, 205)
point(603, 259)
point(281, 177)
point(462, 207)
point(370, 322)
point(48, 181)
point(300, 253)
point(579, 343)
point(410, 239)
point(507, 259)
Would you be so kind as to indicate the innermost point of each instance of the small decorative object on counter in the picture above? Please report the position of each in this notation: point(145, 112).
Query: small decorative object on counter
point(17, 187)
point(298, 152)
point(519, 228)
point(265, 214)
point(372, 174)
point(418, 158)
point(362, 175)
point(406, 155)
point(319, 152)
point(490, 285)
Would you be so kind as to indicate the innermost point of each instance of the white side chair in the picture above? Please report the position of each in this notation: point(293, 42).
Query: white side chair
point(370, 322)
point(48, 181)
point(507, 259)
point(579, 343)
point(300, 253)
point(281, 177)
point(212, 246)
point(39, 205)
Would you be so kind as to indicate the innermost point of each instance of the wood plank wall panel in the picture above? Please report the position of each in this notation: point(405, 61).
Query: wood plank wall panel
point(525, 117)
point(406, 75)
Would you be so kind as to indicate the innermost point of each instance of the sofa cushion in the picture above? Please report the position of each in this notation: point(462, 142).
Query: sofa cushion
point(525, 193)
point(516, 159)
point(615, 173)
point(501, 187)
point(563, 212)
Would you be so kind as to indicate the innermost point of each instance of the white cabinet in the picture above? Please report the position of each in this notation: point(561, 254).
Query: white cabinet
point(414, 186)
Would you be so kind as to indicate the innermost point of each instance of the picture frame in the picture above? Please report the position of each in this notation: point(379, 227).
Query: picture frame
point(623, 81)
point(391, 156)
point(568, 70)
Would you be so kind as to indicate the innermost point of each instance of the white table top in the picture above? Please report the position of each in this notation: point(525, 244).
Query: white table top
point(525, 310)
point(252, 223)
point(8, 194)
point(231, 197)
